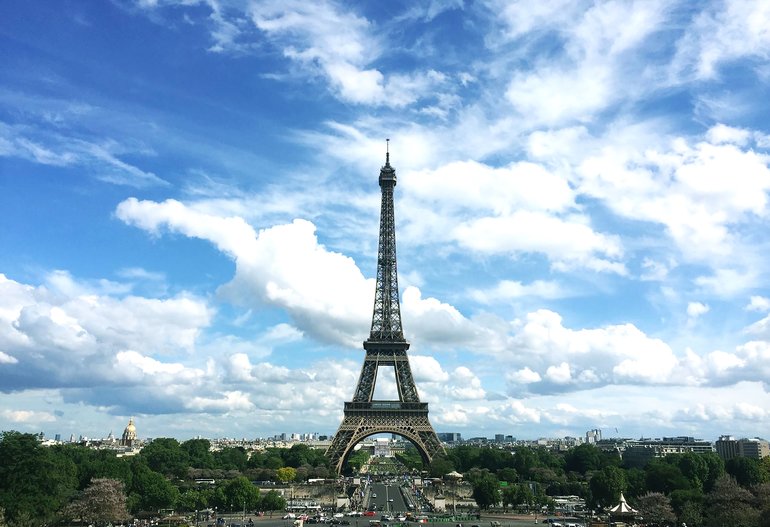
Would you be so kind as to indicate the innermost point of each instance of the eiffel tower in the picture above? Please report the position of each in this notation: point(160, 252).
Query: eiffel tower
point(386, 346)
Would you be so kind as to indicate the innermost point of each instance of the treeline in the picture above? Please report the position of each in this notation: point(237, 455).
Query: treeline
point(37, 483)
point(696, 489)
point(48, 484)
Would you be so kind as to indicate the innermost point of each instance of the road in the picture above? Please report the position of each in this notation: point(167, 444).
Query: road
point(387, 498)
point(276, 521)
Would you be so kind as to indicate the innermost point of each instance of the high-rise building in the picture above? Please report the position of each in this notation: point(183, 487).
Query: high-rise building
point(728, 447)
point(593, 436)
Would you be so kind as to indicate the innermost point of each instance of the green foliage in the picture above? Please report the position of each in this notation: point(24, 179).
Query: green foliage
point(508, 474)
point(606, 486)
point(486, 488)
point(583, 458)
point(272, 501)
point(440, 466)
point(358, 459)
point(241, 494)
point(518, 495)
point(35, 482)
point(198, 453)
point(234, 458)
point(691, 514)
point(665, 477)
point(150, 490)
point(94, 464)
point(411, 459)
point(166, 456)
point(746, 471)
point(286, 474)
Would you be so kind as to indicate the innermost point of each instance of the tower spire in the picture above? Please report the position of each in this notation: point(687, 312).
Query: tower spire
point(386, 318)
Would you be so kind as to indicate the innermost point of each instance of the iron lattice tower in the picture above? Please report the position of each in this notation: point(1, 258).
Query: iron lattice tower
point(386, 346)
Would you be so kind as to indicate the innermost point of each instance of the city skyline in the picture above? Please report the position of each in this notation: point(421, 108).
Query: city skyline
point(191, 210)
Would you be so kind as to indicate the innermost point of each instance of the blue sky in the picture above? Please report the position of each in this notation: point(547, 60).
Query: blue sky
point(190, 213)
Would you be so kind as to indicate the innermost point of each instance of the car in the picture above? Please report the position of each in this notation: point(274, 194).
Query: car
point(369, 513)
point(289, 516)
point(390, 500)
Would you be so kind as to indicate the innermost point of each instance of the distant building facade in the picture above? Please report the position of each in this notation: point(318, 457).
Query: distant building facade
point(593, 436)
point(129, 434)
point(638, 453)
point(728, 447)
point(450, 437)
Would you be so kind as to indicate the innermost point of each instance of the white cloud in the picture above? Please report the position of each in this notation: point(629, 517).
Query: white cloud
point(100, 158)
point(568, 243)
point(7, 359)
point(329, 40)
point(524, 376)
point(506, 290)
point(723, 33)
point(559, 374)
point(27, 416)
point(696, 309)
point(601, 45)
point(758, 303)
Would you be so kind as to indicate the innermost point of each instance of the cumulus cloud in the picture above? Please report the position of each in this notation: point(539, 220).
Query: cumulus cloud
point(758, 303)
point(696, 309)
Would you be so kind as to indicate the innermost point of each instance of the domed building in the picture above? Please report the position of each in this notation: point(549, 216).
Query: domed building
point(129, 434)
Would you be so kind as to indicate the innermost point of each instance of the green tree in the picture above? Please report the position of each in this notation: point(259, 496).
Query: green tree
point(286, 474)
point(656, 509)
point(233, 458)
point(440, 466)
point(486, 489)
point(464, 458)
point(356, 460)
point(241, 494)
point(192, 500)
point(524, 459)
point(746, 471)
point(166, 456)
point(691, 514)
point(102, 502)
point(583, 458)
point(198, 453)
point(35, 481)
point(665, 477)
point(272, 501)
point(508, 474)
point(95, 464)
point(150, 490)
point(509, 496)
point(606, 486)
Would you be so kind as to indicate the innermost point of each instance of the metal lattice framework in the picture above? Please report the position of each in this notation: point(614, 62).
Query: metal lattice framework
point(386, 346)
